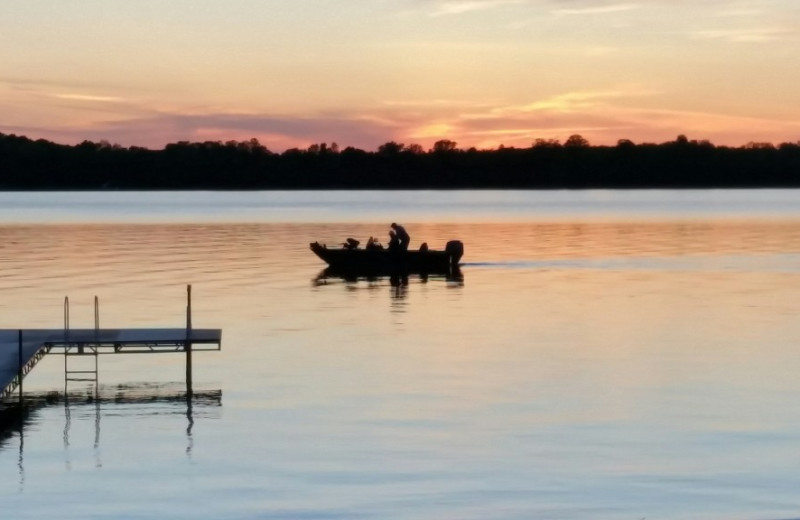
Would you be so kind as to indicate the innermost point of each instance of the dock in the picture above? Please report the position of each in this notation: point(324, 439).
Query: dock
point(22, 349)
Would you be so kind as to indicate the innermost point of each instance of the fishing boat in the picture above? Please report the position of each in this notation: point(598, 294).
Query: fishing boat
point(377, 261)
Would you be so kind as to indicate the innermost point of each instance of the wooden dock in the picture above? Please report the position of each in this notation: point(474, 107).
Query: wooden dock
point(21, 350)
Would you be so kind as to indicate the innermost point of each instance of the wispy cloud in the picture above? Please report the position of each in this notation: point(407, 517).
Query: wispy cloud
point(732, 13)
point(453, 7)
point(577, 100)
point(600, 9)
point(22, 83)
point(90, 98)
point(277, 132)
point(607, 124)
point(747, 35)
point(599, 119)
point(602, 116)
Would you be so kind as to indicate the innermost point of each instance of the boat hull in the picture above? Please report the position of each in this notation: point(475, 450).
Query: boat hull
point(376, 262)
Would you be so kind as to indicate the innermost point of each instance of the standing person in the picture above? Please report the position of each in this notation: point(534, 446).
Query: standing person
point(402, 236)
point(394, 243)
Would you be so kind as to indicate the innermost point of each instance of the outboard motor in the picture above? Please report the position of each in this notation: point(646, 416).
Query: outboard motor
point(455, 250)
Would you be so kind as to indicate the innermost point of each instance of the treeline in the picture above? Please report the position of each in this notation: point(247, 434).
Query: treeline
point(27, 164)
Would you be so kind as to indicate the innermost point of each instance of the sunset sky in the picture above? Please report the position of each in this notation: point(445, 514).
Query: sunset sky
point(363, 72)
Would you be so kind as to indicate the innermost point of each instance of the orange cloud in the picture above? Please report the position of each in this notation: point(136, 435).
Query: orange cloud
point(602, 116)
point(90, 98)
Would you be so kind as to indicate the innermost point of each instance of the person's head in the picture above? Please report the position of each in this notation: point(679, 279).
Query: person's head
point(394, 225)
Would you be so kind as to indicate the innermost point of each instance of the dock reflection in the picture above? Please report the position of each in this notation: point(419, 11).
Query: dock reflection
point(15, 420)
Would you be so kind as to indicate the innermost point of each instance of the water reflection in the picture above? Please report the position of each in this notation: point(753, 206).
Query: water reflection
point(14, 421)
point(400, 285)
point(189, 425)
point(80, 399)
point(65, 433)
point(98, 463)
point(398, 280)
point(328, 276)
point(645, 333)
point(21, 457)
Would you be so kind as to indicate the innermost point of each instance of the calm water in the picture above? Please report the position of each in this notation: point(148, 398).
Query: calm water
point(609, 355)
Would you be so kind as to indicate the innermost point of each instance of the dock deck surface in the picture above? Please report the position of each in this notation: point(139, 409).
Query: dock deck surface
point(38, 342)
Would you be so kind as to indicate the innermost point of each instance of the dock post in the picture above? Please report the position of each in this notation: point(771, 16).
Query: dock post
point(96, 346)
point(188, 346)
point(66, 343)
point(19, 370)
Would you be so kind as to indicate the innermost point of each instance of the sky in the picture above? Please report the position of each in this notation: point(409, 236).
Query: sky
point(360, 73)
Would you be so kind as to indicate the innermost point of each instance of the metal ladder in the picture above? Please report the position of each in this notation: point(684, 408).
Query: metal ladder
point(80, 349)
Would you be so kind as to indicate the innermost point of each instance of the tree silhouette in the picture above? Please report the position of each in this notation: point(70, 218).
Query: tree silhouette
point(576, 141)
point(390, 148)
point(546, 164)
point(444, 146)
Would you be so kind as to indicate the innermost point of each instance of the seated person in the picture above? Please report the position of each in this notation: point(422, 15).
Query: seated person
point(351, 243)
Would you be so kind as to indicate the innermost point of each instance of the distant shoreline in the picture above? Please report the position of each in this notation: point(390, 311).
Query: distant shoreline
point(27, 165)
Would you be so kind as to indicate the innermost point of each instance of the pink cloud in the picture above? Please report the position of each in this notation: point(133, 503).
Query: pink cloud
point(596, 116)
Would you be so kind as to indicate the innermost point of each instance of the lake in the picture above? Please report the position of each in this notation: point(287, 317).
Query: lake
point(607, 355)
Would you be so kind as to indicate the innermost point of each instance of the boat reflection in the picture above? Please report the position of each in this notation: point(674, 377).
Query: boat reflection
point(396, 279)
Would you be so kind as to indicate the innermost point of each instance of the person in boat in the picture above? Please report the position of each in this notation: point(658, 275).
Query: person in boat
point(351, 243)
point(402, 236)
point(394, 242)
point(373, 244)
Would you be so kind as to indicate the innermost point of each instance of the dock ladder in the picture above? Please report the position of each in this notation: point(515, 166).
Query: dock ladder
point(81, 349)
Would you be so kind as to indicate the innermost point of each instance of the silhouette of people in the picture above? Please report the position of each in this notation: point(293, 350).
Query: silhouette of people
point(394, 242)
point(373, 244)
point(402, 236)
point(398, 280)
point(351, 243)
